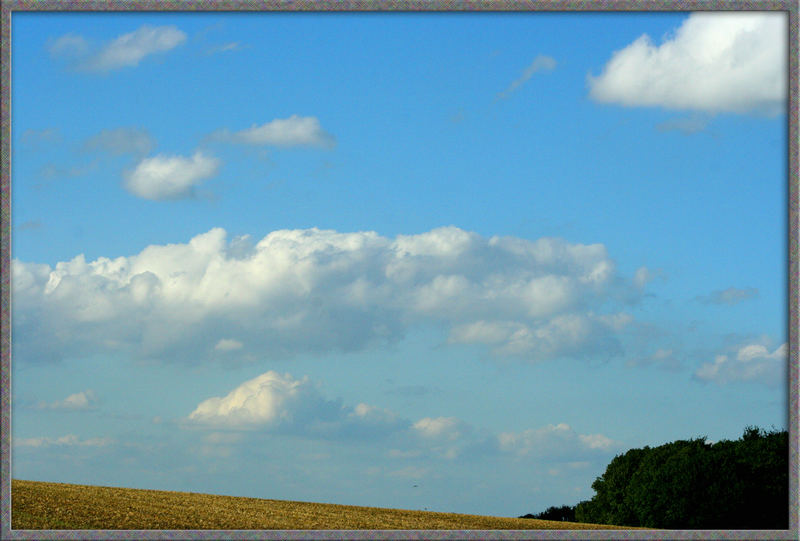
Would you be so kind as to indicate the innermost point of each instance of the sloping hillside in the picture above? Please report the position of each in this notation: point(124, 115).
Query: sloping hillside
point(37, 505)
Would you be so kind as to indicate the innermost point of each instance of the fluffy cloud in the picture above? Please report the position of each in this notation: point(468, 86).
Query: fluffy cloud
point(78, 401)
point(318, 291)
point(68, 440)
point(715, 62)
point(270, 399)
point(286, 132)
point(752, 363)
point(731, 295)
point(121, 141)
point(170, 177)
point(273, 401)
point(125, 51)
point(540, 63)
point(559, 442)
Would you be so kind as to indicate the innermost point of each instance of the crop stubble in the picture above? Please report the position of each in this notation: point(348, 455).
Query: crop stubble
point(38, 505)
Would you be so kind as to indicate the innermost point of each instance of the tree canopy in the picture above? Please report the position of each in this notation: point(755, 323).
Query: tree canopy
point(692, 484)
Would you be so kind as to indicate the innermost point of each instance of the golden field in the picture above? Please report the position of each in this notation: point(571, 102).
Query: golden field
point(37, 505)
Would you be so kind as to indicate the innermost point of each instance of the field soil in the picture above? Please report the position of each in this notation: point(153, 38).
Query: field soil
point(58, 506)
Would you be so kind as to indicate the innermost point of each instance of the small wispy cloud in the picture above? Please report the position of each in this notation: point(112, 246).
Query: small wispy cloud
point(67, 440)
point(284, 132)
point(228, 344)
point(540, 63)
point(83, 400)
point(126, 50)
point(120, 141)
point(732, 295)
point(38, 138)
point(225, 47)
point(686, 126)
point(30, 225)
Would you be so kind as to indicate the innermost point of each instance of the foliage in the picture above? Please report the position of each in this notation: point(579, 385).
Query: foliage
point(564, 513)
point(692, 484)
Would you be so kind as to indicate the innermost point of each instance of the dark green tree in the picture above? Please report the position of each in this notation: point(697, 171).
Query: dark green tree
point(692, 484)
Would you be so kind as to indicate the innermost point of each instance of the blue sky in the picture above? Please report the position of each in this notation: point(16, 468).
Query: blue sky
point(453, 262)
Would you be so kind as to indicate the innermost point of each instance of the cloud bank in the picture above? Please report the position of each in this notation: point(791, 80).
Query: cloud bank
point(274, 402)
point(715, 62)
point(318, 291)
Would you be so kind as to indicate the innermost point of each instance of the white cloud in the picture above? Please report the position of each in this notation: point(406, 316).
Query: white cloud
point(318, 291)
point(67, 440)
point(77, 401)
point(540, 63)
point(715, 62)
point(292, 131)
point(441, 428)
point(170, 177)
point(121, 141)
point(269, 399)
point(273, 401)
point(753, 363)
point(129, 49)
point(554, 442)
point(732, 295)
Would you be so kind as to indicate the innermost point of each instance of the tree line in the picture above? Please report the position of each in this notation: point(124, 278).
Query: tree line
point(692, 484)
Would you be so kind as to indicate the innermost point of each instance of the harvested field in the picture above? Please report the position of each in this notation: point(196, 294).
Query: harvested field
point(37, 505)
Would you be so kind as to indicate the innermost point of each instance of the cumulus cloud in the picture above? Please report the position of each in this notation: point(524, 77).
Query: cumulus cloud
point(77, 401)
point(121, 141)
point(540, 63)
point(318, 291)
point(170, 177)
point(732, 295)
point(715, 62)
point(284, 132)
point(270, 399)
point(273, 402)
point(554, 442)
point(751, 363)
point(279, 402)
point(67, 440)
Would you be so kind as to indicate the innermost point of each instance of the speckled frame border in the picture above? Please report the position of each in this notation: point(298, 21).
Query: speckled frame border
point(11, 6)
